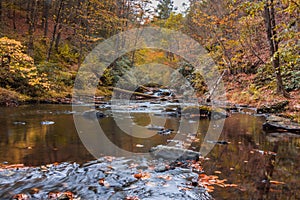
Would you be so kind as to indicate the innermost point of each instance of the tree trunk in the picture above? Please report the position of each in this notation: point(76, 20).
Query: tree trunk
point(57, 40)
point(0, 11)
point(14, 15)
point(56, 24)
point(46, 9)
point(270, 22)
point(31, 27)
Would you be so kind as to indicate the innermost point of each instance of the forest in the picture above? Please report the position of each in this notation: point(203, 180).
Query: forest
point(238, 143)
point(44, 42)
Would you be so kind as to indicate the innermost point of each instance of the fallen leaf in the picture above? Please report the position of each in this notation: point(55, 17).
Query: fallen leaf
point(210, 188)
point(61, 195)
point(101, 181)
point(217, 172)
point(142, 176)
point(132, 198)
point(15, 166)
point(138, 176)
point(277, 182)
point(166, 177)
point(34, 191)
point(21, 197)
point(146, 176)
point(231, 185)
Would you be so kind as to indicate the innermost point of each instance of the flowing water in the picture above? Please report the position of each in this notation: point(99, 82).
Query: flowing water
point(40, 134)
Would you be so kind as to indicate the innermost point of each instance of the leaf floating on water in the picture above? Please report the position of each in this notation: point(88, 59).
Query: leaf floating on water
point(231, 185)
point(166, 177)
point(208, 182)
point(102, 182)
point(184, 188)
point(146, 176)
point(138, 176)
point(61, 195)
point(14, 166)
point(142, 176)
point(277, 182)
point(34, 191)
point(21, 197)
point(265, 152)
point(210, 188)
point(132, 198)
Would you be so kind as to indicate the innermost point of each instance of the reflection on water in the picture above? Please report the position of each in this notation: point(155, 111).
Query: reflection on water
point(241, 164)
point(34, 144)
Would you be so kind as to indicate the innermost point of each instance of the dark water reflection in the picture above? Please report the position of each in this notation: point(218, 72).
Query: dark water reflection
point(33, 143)
point(239, 162)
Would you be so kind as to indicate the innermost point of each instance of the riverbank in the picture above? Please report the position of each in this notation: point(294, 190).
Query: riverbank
point(240, 89)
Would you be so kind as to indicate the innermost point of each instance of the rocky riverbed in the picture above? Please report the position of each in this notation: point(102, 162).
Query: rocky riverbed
point(107, 178)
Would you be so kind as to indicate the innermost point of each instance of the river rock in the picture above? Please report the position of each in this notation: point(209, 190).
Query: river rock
point(273, 108)
point(276, 123)
point(90, 114)
point(204, 111)
point(173, 153)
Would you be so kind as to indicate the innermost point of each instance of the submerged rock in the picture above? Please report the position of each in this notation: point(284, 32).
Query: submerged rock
point(174, 153)
point(165, 131)
point(204, 111)
point(90, 114)
point(106, 178)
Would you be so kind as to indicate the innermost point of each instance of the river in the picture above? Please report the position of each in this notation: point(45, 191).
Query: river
point(41, 134)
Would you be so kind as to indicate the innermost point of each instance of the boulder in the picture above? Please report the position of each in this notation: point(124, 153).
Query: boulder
point(273, 108)
point(90, 114)
point(173, 153)
point(275, 123)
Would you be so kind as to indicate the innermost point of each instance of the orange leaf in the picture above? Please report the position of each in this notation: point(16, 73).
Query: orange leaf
point(21, 197)
point(277, 182)
point(101, 181)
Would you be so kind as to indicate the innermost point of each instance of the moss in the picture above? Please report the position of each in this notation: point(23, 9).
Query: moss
point(197, 109)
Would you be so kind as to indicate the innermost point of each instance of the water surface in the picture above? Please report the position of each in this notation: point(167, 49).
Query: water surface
point(24, 139)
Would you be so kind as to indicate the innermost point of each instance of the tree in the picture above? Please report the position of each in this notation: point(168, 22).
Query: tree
point(0, 11)
point(17, 68)
point(32, 22)
point(269, 16)
point(45, 16)
point(60, 5)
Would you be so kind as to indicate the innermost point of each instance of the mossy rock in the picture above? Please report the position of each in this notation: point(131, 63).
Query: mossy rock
point(204, 110)
point(274, 108)
point(197, 109)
